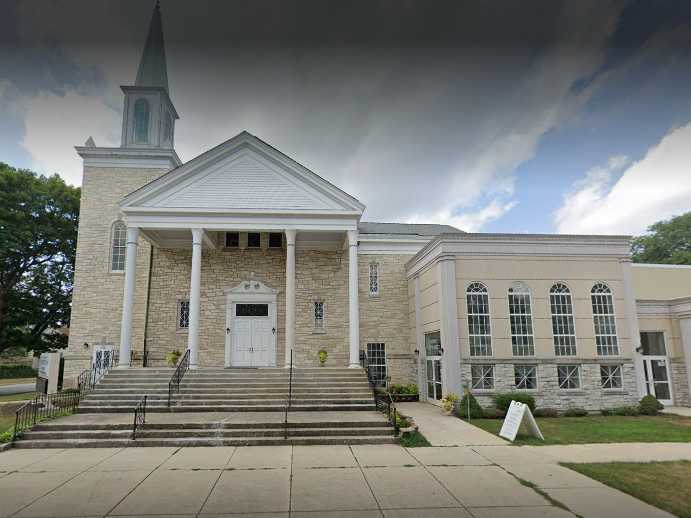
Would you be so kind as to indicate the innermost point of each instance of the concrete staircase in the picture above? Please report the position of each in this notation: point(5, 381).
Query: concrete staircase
point(232, 390)
point(221, 407)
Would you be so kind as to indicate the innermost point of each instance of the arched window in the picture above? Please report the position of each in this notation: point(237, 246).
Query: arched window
point(604, 320)
point(521, 318)
point(563, 329)
point(118, 247)
point(141, 121)
point(479, 331)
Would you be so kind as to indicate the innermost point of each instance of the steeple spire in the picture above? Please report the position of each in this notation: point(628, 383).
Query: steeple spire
point(152, 69)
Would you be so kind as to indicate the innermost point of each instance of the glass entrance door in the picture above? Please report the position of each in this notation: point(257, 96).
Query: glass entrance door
point(433, 354)
point(656, 366)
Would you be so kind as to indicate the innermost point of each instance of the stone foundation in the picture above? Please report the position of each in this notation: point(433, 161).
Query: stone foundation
point(680, 384)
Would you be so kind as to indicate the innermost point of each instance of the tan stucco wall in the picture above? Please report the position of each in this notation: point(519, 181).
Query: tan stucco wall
point(540, 273)
point(660, 282)
point(97, 298)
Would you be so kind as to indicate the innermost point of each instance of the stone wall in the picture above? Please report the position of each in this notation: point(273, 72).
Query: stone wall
point(97, 298)
point(680, 382)
point(590, 395)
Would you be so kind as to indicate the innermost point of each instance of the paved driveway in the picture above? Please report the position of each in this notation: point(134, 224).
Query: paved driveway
point(300, 481)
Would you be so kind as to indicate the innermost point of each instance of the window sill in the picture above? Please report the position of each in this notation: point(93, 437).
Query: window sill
point(181, 330)
point(117, 272)
point(614, 392)
point(319, 332)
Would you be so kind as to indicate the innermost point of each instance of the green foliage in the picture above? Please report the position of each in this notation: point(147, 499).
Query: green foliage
point(503, 401)
point(449, 401)
point(38, 239)
point(625, 411)
point(6, 436)
point(402, 421)
point(172, 357)
point(411, 389)
point(576, 412)
point(323, 355)
point(668, 242)
point(17, 371)
point(469, 408)
point(546, 412)
point(413, 440)
point(649, 406)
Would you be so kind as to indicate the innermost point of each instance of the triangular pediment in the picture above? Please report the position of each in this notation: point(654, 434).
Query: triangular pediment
point(242, 174)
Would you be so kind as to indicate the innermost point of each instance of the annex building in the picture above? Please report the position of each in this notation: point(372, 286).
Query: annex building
point(248, 259)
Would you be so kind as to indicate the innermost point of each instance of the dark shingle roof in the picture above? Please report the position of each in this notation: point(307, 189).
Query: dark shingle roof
point(409, 229)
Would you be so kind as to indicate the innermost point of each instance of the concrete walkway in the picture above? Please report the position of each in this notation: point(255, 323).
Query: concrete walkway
point(16, 388)
point(678, 410)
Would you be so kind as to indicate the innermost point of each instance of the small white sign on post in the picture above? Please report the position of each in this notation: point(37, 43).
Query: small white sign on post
point(519, 414)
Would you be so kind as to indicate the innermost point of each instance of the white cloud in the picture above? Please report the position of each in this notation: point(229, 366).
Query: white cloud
point(55, 124)
point(656, 187)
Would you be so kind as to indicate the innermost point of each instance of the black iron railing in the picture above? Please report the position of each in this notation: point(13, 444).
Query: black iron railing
point(139, 416)
point(174, 383)
point(42, 407)
point(290, 397)
point(382, 398)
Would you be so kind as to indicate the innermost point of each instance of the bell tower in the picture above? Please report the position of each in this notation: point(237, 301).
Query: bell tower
point(148, 117)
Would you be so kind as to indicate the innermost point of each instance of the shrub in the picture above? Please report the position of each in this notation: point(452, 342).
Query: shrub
point(649, 406)
point(625, 410)
point(411, 389)
point(449, 401)
point(17, 371)
point(172, 357)
point(546, 412)
point(503, 401)
point(494, 413)
point(576, 412)
point(607, 411)
point(468, 402)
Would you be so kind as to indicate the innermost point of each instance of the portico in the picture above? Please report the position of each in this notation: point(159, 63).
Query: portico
point(197, 205)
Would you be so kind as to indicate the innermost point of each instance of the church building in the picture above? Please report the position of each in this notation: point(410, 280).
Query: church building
point(248, 259)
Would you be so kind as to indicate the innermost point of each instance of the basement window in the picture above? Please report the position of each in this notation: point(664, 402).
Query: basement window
point(253, 240)
point(232, 239)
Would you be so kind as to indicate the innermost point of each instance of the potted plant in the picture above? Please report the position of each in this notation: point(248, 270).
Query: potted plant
point(449, 402)
point(322, 357)
point(172, 357)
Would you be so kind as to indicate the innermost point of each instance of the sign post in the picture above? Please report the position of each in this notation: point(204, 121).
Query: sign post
point(48, 373)
point(519, 415)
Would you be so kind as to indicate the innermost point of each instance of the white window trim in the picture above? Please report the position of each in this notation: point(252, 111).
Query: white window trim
point(494, 379)
point(537, 378)
point(178, 305)
point(621, 376)
point(372, 293)
point(489, 322)
point(579, 377)
point(614, 317)
point(532, 323)
point(573, 317)
point(111, 248)
point(385, 364)
point(319, 330)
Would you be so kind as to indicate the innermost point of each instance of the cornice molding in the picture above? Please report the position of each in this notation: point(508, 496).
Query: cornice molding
point(131, 158)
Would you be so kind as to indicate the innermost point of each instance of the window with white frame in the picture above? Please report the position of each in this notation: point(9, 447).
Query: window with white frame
point(569, 376)
point(521, 319)
point(604, 320)
point(563, 329)
point(525, 377)
point(479, 331)
point(374, 279)
point(482, 377)
point(118, 247)
point(610, 376)
point(319, 315)
point(183, 314)
point(376, 357)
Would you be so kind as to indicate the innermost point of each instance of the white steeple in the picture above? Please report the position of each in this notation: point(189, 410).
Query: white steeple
point(149, 116)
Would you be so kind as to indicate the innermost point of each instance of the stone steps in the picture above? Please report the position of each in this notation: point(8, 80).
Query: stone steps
point(216, 407)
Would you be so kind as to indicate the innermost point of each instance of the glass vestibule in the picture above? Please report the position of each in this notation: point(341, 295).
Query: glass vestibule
point(656, 366)
point(433, 354)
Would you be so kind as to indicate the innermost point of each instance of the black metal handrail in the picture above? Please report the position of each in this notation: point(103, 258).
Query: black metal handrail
point(174, 383)
point(139, 416)
point(44, 406)
point(382, 398)
point(290, 397)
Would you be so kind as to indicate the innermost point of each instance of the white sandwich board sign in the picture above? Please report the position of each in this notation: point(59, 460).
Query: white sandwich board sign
point(519, 415)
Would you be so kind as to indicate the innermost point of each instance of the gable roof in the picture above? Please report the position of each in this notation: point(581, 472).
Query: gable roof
point(243, 173)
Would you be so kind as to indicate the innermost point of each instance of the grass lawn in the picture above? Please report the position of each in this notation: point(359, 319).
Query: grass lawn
point(644, 481)
point(17, 397)
point(602, 429)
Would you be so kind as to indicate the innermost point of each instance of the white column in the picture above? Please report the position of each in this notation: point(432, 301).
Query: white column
point(448, 311)
point(420, 341)
point(128, 297)
point(195, 296)
point(632, 321)
point(290, 293)
point(685, 328)
point(353, 305)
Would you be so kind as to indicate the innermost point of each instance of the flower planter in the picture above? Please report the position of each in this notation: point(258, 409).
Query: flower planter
point(405, 398)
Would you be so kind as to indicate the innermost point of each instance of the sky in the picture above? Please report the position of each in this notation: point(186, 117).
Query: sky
point(531, 117)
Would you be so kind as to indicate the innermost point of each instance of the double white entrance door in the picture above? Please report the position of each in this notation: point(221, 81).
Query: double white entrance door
point(656, 377)
point(251, 335)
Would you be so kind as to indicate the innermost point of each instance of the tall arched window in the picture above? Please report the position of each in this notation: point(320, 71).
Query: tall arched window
point(563, 329)
point(604, 320)
point(479, 331)
point(521, 318)
point(118, 247)
point(141, 121)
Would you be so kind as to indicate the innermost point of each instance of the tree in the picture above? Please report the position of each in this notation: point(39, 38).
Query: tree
point(668, 242)
point(38, 241)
